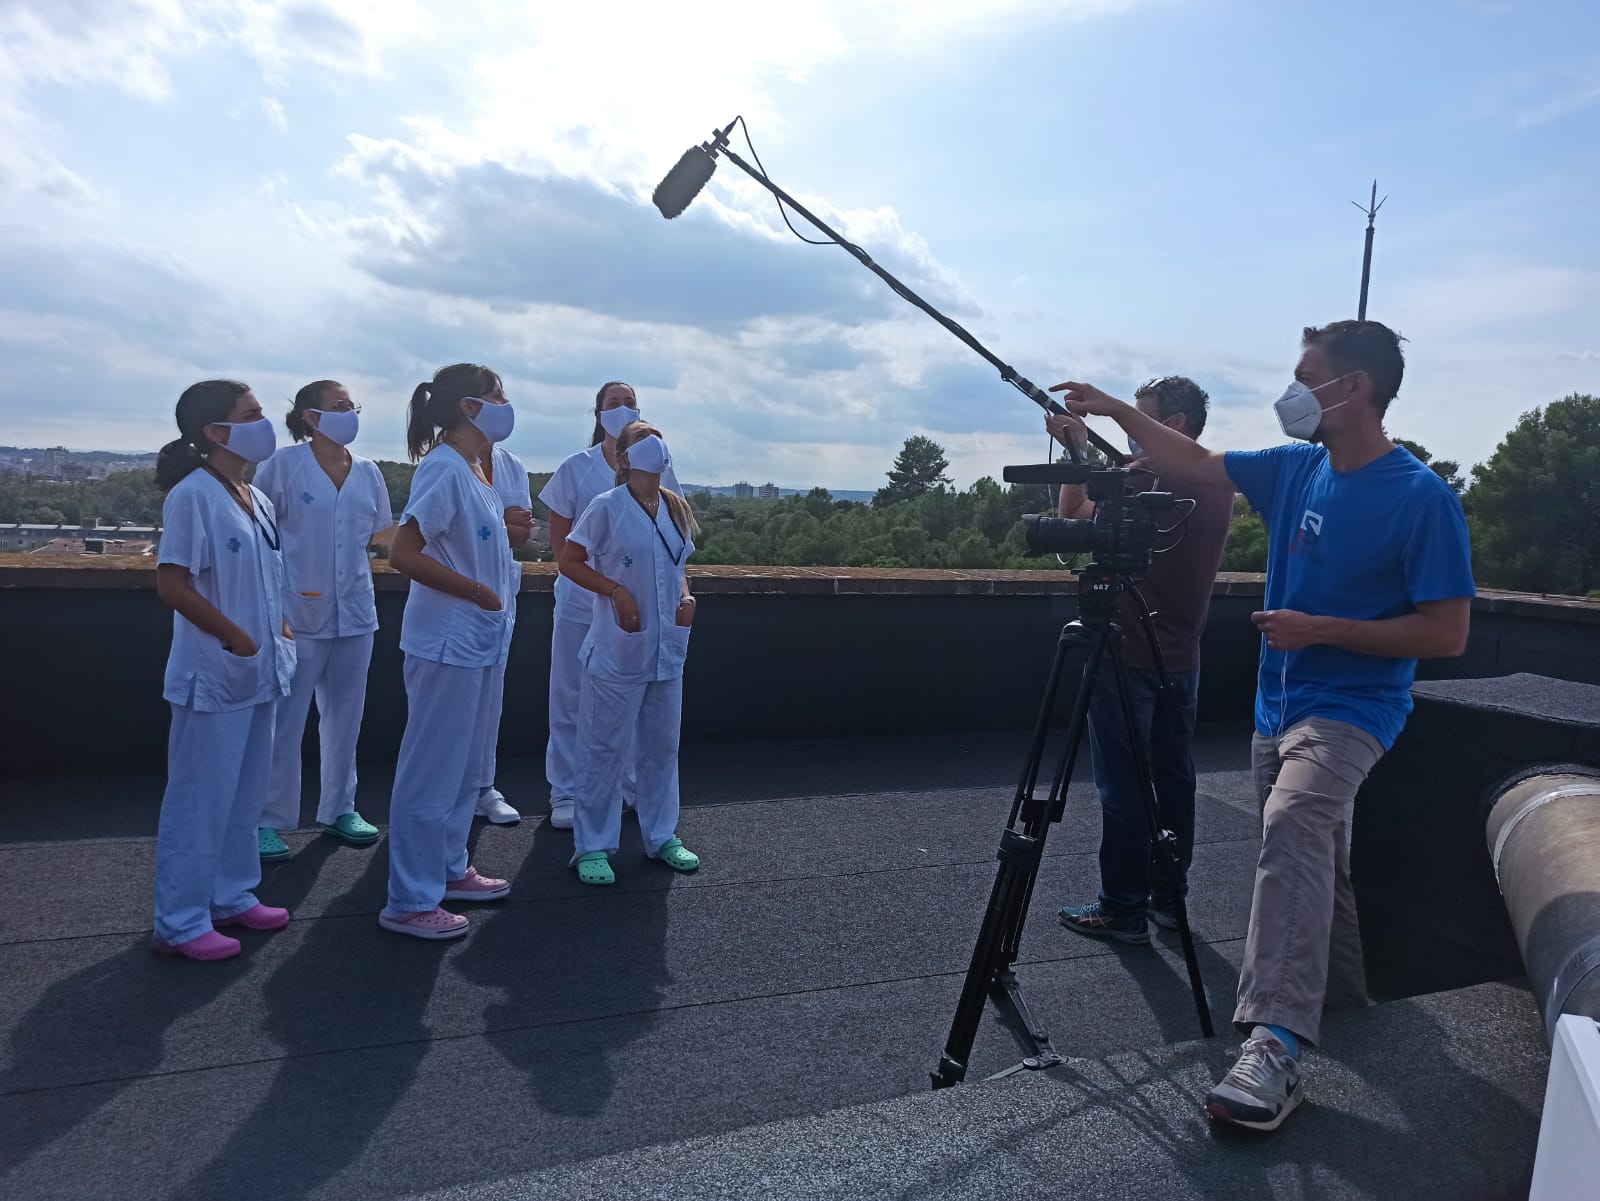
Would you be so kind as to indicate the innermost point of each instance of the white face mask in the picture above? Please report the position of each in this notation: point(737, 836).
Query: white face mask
point(337, 427)
point(1298, 411)
point(252, 441)
point(648, 455)
point(494, 421)
point(614, 421)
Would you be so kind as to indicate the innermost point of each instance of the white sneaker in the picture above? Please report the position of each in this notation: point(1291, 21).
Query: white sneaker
point(561, 813)
point(492, 805)
point(1262, 1088)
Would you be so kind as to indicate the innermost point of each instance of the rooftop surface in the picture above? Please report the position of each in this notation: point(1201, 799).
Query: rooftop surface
point(763, 1028)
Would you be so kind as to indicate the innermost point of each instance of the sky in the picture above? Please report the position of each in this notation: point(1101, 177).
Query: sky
point(1101, 190)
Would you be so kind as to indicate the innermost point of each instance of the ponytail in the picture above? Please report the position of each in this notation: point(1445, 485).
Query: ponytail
point(176, 460)
point(436, 407)
point(309, 397)
point(207, 403)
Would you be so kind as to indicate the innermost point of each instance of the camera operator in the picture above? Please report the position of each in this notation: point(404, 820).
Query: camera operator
point(1368, 570)
point(1177, 587)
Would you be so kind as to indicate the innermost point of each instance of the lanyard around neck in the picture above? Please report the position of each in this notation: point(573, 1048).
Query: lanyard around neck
point(267, 528)
point(655, 524)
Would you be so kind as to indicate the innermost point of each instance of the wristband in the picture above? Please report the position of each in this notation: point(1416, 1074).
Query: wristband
point(686, 600)
point(614, 588)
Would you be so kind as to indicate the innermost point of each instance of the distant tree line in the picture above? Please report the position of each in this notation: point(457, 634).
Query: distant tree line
point(1533, 508)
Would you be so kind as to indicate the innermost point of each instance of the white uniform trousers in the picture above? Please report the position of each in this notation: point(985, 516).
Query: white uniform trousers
point(497, 696)
point(436, 780)
point(335, 671)
point(207, 859)
point(562, 751)
point(611, 715)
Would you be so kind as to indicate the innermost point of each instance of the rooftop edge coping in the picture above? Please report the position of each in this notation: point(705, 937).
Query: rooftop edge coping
point(137, 573)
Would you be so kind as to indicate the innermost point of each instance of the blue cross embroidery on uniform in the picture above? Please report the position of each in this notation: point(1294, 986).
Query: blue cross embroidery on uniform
point(627, 560)
point(234, 544)
point(484, 532)
point(306, 497)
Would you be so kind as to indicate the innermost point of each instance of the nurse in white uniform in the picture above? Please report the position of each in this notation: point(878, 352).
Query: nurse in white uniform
point(578, 480)
point(232, 660)
point(452, 545)
point(629, 549)
point(330, 505)
point(509, 479)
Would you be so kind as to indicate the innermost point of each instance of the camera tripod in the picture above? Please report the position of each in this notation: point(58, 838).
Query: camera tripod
point(993, 970)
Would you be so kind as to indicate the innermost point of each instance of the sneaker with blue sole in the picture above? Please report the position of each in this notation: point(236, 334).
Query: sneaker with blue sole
point(1093, 921)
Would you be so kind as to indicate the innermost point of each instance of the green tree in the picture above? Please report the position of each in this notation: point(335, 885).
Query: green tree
point(919, 468)
point(1246, 549)
point(1447, 470)
point(1534, 503)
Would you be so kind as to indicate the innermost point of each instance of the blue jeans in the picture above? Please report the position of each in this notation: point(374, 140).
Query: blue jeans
point(1126, 884)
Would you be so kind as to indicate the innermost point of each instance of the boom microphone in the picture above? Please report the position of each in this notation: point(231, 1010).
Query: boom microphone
point(683, 182)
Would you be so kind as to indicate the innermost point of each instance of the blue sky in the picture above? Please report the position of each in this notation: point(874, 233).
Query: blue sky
point(1102, 189)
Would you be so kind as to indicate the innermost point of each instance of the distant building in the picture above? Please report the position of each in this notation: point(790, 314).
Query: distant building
point(27, 537)
point(768, 491)
point(96, 546)
point(743, 491)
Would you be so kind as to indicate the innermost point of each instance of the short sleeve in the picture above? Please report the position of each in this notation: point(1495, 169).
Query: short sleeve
point(1438, 554)
point(1258, 474)
point(593, 527)
point(382, 513)
point(558, 494)
point(518, 491)
point(269, 479)
point(183, 531)
point(435, 501)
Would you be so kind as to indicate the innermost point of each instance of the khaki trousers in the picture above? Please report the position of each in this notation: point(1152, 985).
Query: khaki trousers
point(1303, 950)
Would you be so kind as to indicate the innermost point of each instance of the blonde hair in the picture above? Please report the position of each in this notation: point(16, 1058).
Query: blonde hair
point(682, 514)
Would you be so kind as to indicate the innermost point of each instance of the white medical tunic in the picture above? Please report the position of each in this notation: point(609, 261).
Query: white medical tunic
point(326, 531)
point(579, 479)
point(234, 566)
point(647, 556)
point(463, 524)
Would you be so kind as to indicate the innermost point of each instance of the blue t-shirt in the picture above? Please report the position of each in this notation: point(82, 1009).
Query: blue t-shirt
point(1365, 545)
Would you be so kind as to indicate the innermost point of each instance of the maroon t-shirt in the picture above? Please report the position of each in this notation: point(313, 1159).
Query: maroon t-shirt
point(1178, 583)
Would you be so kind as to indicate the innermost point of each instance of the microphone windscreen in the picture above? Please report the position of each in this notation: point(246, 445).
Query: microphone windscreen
point(683, 182)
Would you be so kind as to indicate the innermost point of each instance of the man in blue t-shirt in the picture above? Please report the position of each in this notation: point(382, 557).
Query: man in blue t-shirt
point(1368, 570)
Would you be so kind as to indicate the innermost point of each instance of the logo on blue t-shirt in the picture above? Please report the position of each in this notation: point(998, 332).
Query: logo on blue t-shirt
point(485, 533)
point(1305, 538)
point(627, 560)
point(233, 544)
point(306, 497)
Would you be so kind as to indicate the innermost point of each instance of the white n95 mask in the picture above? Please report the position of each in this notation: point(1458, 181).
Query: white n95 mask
point(1298, 411)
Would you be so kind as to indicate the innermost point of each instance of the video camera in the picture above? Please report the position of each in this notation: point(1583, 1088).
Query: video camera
point(1121, 536)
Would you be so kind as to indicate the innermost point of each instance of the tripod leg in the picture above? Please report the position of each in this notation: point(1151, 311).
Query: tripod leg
point(1163, 851)
point(1020, 853)
point(1042, 817)
point(1019, 861)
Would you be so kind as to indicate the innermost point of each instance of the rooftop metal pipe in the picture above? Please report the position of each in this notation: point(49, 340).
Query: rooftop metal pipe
point(1544, 838)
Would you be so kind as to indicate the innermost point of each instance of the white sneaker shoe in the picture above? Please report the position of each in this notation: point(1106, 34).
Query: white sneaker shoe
point(561, 813)
point(492, 806)
point(1262, 1088)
